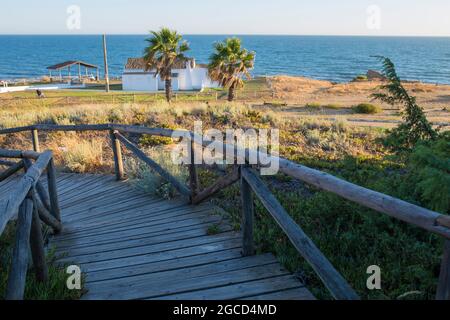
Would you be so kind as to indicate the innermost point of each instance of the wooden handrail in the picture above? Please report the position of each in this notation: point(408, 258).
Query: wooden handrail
point(332, 279)
point(25, 200)
point(163, 173)
point(396, 208)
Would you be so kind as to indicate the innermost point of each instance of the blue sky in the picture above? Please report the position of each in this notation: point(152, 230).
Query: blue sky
point(305, 17)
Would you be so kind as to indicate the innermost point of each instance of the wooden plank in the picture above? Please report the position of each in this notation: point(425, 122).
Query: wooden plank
point(74, 244)
point(18, 154)
point(37, 247)
point(35, 140)
point(289, 294)
point(116, 255)
point(193, 176)
point(165, 287)
point(157, 213)
point(10, 205)
point(248, 247)
point(243, 290)
point(19, 265)
point(73, 251)
point(117, 152)
point(332, 279)
point(209, 269)
point(165, 265)
point(443, 290)
point(218, 186)
point(207, 245)
point(180, 215)
point(11, 170)
point(182, 189)
point(53, 191)
point(47, 218)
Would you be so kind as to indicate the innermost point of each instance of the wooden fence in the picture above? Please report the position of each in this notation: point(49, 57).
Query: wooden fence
point(32, 203)
point(251, 183)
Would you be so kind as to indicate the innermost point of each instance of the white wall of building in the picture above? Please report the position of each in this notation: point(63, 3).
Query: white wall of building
point(188, 79)
point(139, 81)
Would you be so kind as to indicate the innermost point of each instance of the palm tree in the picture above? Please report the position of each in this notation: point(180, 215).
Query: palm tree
point(229, 64)
point(165, 49)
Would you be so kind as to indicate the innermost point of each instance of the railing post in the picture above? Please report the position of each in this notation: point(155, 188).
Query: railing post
point(118, 160)
point(193, 176)
point(443, 290)
point(37, 247)
point(35, 138)
point(248, 248)
point(19, 264)
point(53, 190)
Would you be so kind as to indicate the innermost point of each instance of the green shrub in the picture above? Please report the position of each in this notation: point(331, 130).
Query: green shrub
point(367, 108)
point(313, 105)
point(361, 77)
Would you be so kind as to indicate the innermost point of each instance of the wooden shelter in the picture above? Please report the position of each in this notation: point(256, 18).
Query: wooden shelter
point(68, 64)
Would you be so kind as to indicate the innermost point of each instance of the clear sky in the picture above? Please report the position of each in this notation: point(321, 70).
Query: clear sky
point(303, 17)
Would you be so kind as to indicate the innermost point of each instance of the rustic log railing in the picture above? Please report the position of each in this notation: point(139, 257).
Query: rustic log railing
point(250, 183)
point(30, 202)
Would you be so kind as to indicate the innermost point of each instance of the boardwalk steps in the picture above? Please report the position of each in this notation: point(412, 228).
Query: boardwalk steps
point(134, 246)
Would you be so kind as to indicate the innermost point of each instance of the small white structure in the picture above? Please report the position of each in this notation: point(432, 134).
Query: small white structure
point(186, 76)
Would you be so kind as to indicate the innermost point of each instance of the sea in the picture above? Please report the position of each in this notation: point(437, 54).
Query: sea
point(334, 58)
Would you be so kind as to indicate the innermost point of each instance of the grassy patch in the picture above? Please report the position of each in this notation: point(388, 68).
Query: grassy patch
point(54, 289)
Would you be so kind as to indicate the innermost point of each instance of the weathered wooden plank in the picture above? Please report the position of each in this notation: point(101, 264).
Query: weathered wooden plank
point(10, 205)
point(35, 140)
point(18, 154)
point(165, 287)
point(219, 185)
point(163, 173)
point(117, 152)
point(332, 279)
point(73, 251)
point(193, 176)
point(165, 265)
point(289, 294)
point(37, 247)
point(207, 245)
point(11, 170)
point(248, 247)
point(53, 191)
point(157, 213)
point(47, 218)
point(16, 130)
point(181, 215)
point(74, 243)
point(19, 265)
point(116, 255)
point(242, 290)
point(443, 290)
point(210, 269)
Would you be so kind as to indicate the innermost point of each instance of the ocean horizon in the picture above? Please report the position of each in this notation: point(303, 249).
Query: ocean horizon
point(333, 58)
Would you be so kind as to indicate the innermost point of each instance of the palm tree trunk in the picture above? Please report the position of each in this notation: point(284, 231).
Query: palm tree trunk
point(168, 89)
point(231, 93)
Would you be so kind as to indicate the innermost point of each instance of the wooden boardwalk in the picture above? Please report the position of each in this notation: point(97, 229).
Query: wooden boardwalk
point(134, 246)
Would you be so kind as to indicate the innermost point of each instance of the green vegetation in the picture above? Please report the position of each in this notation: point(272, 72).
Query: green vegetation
point(361, 77)
point(229, 64)
point(165, 50)
point(351, 236)
point(416, 127)
point(54, 289)
point(367, 108)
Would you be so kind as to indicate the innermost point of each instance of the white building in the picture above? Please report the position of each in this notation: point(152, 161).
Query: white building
point(186, 76)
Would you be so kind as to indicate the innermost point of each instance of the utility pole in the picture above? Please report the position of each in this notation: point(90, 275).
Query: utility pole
point(105, 54)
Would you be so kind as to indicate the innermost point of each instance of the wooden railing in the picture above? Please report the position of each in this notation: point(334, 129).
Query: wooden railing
point(32, 203)
point(251, 183)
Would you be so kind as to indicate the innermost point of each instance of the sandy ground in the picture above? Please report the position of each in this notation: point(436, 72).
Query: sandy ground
point(297, 92)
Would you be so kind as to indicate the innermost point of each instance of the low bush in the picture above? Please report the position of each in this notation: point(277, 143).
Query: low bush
point(367, 108)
